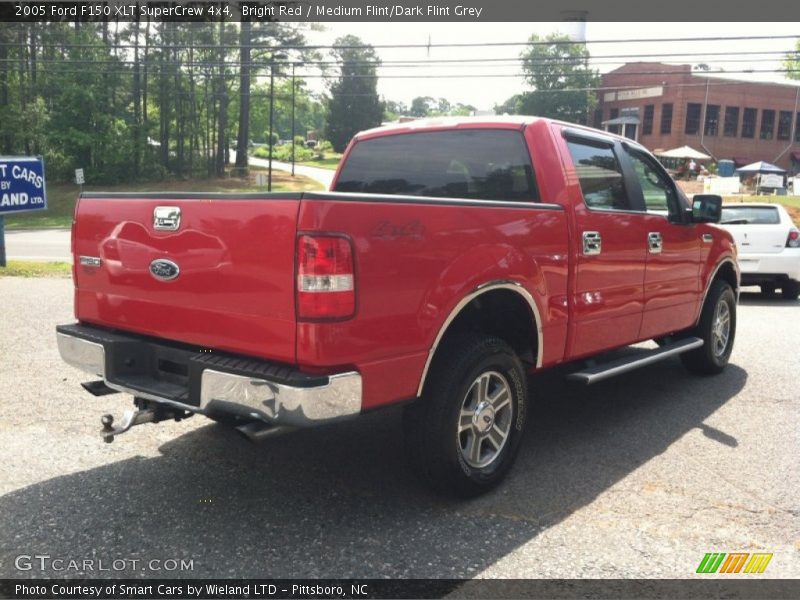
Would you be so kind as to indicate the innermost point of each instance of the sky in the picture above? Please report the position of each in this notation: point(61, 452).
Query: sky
point(484, 93)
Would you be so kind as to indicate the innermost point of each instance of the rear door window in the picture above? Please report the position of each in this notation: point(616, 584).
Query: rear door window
point(599, 174)
point(481, 164)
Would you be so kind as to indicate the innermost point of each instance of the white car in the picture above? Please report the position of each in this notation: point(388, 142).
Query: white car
point(768, 244)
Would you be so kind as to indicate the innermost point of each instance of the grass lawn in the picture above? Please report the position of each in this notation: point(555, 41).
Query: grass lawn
point(61, 196)
point(329, 162)
point(24, 268)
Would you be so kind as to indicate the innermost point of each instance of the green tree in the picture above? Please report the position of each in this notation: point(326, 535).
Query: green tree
point(561, 78)
point(421, 106)
point(265, 37)
point(462, 110)
point(792, 62)
point(393, 110)
point(509, 107)
point(309, 113)
point(354, 104)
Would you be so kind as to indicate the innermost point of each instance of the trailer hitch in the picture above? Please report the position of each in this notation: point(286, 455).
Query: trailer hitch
point(143, 413)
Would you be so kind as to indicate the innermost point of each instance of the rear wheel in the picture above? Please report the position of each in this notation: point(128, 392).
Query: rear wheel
point(464, 434)
point(717, 328)
point(790, 289)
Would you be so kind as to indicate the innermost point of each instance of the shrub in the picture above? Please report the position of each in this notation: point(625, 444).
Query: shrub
point(284, 153)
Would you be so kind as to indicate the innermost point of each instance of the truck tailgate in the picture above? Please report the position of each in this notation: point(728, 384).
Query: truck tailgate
point(234, 288)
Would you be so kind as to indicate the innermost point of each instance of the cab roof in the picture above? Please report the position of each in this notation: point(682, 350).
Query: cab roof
point(481, 122)
point(432, 123)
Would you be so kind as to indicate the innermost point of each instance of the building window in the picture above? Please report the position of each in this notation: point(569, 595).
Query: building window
point(613, 114)
point(767, 124)
point(598, 118)
point(712, 120)
point(666, 118)
point(784, 125)
point(731, 121)
point(749, 122)
point(692, 118)
point(797, 128)
point(647, 123)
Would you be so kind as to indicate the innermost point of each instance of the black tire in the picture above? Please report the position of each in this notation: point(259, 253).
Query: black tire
point(768, 289)
point(712, 357)
point(790, 289)
point(433, 425)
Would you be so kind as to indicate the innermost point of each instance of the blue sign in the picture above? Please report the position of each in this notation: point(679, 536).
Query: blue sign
point(22, 186)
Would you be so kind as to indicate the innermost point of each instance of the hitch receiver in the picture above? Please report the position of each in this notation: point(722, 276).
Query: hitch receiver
point(143, 413)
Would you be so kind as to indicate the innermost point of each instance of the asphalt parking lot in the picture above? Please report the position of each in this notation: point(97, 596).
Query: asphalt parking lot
point(639, 476)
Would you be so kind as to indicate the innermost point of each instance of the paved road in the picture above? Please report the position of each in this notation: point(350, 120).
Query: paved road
point(324, 176)
point(634, 477)
point(53, 244)
point(38, 244)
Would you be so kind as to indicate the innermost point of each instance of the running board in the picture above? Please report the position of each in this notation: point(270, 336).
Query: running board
point(629, 363)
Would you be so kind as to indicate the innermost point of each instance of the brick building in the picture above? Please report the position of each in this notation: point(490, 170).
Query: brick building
point(667, 106)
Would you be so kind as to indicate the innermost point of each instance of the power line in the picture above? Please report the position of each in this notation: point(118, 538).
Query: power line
point(429, 76)
point(442, 45)
point(456, 63)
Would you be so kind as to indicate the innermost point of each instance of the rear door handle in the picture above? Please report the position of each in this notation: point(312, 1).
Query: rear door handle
point(592, 243)
point(654, 242)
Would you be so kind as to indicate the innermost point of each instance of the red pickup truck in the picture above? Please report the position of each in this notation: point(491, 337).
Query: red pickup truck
point(451, 258)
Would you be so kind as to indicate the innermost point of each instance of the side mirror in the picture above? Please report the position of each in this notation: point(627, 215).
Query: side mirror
point(706, 208)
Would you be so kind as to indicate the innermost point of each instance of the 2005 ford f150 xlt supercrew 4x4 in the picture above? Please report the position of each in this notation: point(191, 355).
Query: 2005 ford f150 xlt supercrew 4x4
point(451, 258)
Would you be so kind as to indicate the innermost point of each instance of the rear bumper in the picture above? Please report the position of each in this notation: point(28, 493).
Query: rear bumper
point(771, 266)
point(209, 383)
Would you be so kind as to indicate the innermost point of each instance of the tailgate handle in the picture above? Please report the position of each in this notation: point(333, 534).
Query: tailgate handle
point(167, 218)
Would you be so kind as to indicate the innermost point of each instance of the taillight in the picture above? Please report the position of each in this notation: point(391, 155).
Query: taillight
point(325, 277)
point(793, 241)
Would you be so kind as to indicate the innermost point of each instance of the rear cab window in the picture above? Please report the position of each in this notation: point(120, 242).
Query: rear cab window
point(750, 215)
point(479, 164)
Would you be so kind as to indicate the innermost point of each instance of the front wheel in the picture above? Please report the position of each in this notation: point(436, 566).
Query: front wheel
point(717, 329)
point(463, 435)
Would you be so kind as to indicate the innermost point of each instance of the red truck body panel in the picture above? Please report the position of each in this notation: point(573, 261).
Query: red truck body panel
point(236, 287)
point(415, 263)
point(415, 260)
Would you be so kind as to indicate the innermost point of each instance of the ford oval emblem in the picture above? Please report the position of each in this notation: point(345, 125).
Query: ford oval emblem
point(164, 269)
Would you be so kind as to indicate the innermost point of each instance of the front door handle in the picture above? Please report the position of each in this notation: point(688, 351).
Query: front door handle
point(592, 243)
point(654, 242)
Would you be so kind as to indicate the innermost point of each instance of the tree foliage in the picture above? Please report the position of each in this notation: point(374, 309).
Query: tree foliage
point(792, 62)
point(257, 44)
point(139, 100)
point(421, 106)
point(428, 106)
point(559, 73)
point(354, 104)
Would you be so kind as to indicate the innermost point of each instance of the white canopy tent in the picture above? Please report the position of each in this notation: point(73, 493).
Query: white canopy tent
point(684, 152)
